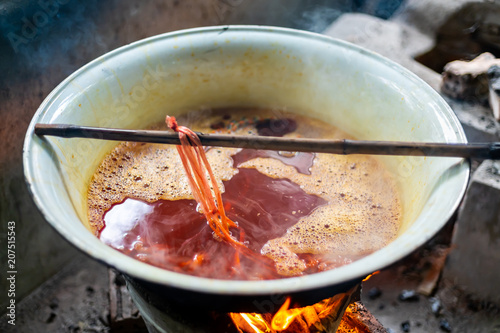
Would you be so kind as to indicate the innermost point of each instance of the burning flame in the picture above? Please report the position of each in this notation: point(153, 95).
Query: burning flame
point(284, 317)
point(369, 276)
point(254, 321)
point(279, 322)
point(306, 319)
point(250, 322)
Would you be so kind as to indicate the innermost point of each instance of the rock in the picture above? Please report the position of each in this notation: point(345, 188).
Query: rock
point(395, 41)
point(494, 90)
point(444, 325)
point(428, 16)
point(472, 264)
point(435, 306)
point(468, 80)
point(374, 293)
point(405, 326)
point(464, 34)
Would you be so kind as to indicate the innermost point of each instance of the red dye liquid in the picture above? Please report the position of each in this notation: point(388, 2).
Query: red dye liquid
point(301, 161)
point(174, 236)
point(257, 210)
point(277, 127)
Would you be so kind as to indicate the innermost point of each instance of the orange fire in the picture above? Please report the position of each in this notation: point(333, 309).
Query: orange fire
point(254, 321)
point(322, 316)
point(284, 317)
point(257, 323)
point(369, 276)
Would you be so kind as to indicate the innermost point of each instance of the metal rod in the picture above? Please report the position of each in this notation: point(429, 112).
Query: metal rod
point(479, 151)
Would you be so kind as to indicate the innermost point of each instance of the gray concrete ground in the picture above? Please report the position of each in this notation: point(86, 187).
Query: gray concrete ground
point(454, 310)
point(74, 300)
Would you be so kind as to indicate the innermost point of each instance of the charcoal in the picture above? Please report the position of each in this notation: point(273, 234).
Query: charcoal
point(405, 326)
point(374, 293)
point(409, 296)
point(435, 306)
point(444, 325)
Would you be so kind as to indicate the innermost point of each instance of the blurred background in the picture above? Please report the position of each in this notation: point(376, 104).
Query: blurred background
point(42, 42)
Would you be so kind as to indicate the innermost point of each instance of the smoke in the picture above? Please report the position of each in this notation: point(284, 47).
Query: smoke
point(37, 35)
point(319, 18)
point(318, 15)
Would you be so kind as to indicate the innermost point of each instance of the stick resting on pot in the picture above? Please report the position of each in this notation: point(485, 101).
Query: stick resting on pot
point(479, 151)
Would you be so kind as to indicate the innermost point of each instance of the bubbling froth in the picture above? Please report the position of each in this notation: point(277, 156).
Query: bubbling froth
point(359, 212)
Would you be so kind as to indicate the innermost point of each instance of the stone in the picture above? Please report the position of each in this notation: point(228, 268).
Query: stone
point(494, 90)
point(436, 306)
point(395, 41)
point(473, 263)
point(476, 119)
point(468, 80)
point(428, 15)
point(462, 34)
point(405, 326)
point(409, 296)
point(444, 325)
point(374, 293)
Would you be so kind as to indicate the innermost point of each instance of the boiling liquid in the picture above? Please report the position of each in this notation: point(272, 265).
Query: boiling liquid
point(304, 212)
